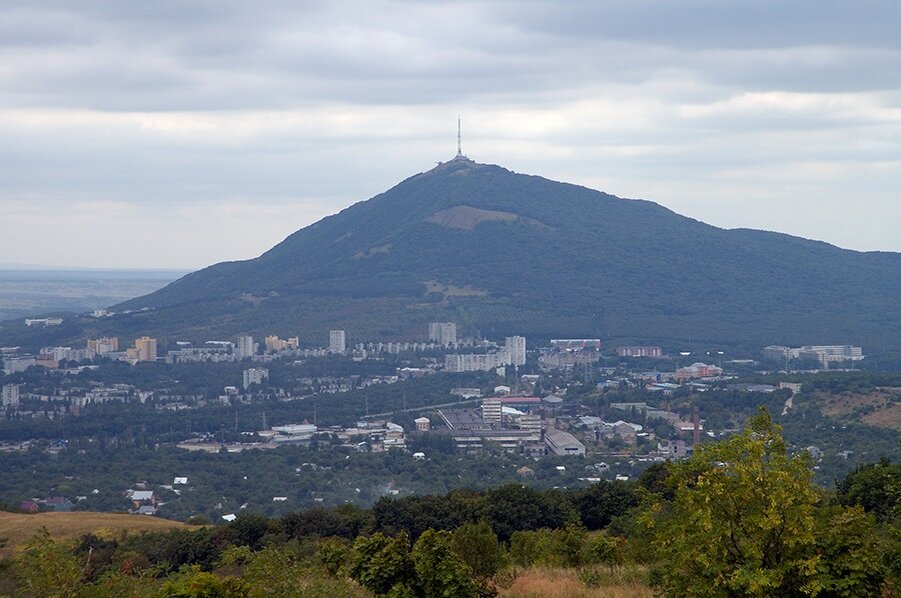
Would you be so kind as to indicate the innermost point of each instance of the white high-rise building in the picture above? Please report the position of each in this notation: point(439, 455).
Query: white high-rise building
point(103, 345)
point(337, 341)
point(492, 411)
point(244, 347)
point(255, 376)
point(10, 395)
point(443, 333)
point(516, 348)
point(476, 362)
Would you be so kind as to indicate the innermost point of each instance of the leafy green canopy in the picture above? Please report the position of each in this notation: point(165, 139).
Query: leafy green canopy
point(744, 520)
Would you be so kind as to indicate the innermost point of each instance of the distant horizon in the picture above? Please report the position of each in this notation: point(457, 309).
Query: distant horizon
point(19, 267)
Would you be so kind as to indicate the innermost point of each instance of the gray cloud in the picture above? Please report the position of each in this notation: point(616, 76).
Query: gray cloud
point(765, 114)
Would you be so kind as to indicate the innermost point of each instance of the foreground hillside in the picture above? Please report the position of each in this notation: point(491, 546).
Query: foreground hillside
point(18, 528)
point(500, 252)
point(739, 517)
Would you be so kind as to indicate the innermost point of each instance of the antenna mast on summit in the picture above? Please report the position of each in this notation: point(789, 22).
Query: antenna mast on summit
point(459, 138)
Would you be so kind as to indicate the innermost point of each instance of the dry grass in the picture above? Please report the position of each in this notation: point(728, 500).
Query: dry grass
point(565, 583)
point(886, 417)
point(882, 408)
point(18, 528)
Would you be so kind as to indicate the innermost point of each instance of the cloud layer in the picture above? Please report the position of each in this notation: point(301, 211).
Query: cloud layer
point(180, 134)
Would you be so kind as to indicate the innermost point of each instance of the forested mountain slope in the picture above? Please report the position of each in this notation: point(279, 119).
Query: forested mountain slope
point(501, 252)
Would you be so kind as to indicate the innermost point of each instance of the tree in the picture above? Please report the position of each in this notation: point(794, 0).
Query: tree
point(846, 559)
point(382, 564)
point(874, 486)
point(247, 530)
point(514, 508)
point(47, 568)
point(654, 479)
point(191, 582)
point(741, 520)
point(601, 502)
point(477, 545)
point(439, 571)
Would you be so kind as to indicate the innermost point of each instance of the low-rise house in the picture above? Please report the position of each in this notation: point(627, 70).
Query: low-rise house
point(141, 498)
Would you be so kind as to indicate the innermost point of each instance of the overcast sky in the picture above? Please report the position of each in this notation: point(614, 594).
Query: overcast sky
point(180, 134)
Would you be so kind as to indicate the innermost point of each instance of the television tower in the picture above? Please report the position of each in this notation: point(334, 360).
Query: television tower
point(459, 139)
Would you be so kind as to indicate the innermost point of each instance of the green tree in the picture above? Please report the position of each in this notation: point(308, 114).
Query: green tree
point(191, 582)
point(514, 508)
point(439, 570)
point(247, 530)
point(382, 564)
point(549, 547)
point(846, 560)
point(284, 572)
point(874, 486)
point(606, 549)
point(478, 546)
point(47, 568)
point(741, 521)
point(744, 521)
point(601, 502)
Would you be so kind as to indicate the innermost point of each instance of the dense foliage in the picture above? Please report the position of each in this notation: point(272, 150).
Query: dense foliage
point(743, 519)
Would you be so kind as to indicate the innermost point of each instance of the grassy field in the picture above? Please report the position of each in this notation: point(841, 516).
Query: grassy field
point(18, 528)
point(880, 408)
point(598, 582)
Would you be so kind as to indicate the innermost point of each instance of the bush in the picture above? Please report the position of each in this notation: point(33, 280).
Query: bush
point(478, 546)
point(549, 547)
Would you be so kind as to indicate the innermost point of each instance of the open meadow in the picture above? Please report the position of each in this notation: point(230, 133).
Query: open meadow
point(17, 528)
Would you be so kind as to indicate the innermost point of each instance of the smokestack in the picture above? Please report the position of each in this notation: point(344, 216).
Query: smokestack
point(696, 418)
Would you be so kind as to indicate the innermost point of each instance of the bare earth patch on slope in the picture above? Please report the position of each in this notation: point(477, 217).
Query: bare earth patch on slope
point(449, 290)
point(373, 251)
point(467, 217)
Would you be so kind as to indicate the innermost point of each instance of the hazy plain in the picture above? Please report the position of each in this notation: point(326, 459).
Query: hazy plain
point(36, 290)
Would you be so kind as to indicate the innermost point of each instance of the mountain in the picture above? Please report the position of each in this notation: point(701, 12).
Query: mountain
point(500, 253)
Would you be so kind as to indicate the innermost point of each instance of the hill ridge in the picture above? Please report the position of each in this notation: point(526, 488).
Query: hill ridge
point(552, 259)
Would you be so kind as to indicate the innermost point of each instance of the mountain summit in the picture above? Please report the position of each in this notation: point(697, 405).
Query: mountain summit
point(500, 252)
